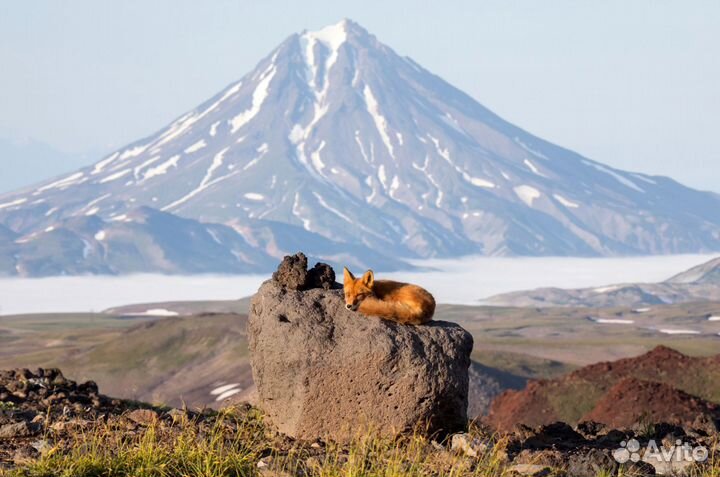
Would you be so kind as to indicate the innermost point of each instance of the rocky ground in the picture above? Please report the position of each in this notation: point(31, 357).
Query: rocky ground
point(53, 426)
point(41, 409)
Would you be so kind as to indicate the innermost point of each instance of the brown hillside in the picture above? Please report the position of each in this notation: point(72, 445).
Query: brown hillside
point(633, 400)
point(571, 397)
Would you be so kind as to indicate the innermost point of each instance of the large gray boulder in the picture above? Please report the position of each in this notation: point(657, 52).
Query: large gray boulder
point(323, 371)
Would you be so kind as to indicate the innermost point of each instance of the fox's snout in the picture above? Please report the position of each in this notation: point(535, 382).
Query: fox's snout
point(351, 306)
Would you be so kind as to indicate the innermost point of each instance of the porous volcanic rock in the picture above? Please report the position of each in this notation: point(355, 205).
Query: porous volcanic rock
point(323, 371)
point(293, 274)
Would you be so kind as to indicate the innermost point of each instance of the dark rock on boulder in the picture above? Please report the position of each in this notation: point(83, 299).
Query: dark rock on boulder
point(323, 371)
point(322, 276)
point(293, 274)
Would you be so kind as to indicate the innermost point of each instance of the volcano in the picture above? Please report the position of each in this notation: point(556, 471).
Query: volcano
point(337, 138)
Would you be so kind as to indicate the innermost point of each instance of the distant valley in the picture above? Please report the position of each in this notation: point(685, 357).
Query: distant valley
point(196, 352)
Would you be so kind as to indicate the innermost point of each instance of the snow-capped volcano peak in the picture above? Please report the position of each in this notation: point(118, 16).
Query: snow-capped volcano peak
point(335, 133)
point(332, 36)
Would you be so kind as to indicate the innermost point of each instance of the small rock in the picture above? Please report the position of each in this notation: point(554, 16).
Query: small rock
point(436, 445)
point(88, 387)
point(706, 425)
point(16, 429)
point(591, 464)
point(292, 272)
point(177, 414)
point(322, 276)
point(143, 417)
point(42, 446)
point(24, 456)
point(60, 426)
point(557, 434)
point(546, 457)
point(313, 463)
point(590, 429)
point(637, 469)
point(535, 470)
point(469, 445)
point(613, 438)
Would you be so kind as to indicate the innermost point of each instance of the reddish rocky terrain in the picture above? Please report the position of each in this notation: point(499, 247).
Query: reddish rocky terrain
point(660, 385)
point(632, 401)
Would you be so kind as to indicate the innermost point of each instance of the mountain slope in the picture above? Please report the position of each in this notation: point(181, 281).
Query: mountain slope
point(336, 133)
point(704, 274)
point(146, 240)
point(700, 283)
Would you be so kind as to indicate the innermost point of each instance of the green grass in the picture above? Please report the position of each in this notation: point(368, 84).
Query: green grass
point(238, 444)
point(520, 364)
point(229, 447)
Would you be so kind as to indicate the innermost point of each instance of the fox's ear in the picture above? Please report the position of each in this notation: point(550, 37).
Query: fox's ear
point(368, 279)
point(348, 276)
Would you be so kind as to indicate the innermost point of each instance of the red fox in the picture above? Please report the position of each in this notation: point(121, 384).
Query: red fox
point(395, 301)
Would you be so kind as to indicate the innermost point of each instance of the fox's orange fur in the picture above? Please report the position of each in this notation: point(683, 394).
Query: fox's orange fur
point(395, 301)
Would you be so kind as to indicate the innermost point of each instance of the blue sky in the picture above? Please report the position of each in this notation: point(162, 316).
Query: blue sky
point(632, 84)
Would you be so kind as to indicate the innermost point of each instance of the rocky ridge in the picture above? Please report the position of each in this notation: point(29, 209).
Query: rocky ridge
point(620, 393)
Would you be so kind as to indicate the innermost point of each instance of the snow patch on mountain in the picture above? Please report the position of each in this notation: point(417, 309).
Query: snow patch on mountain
point(529, 149)
point(527, 194)
point(162, 168)
point(13, 203)
point(196, 147)
point(380, 122)
point(317, 162)
point(623, 180)
point(98, 168)
point(262, 150)
point(566, 202)
point(62, 183)
point(445, 154)
point(296, 212)
point(533, 168)
point(206, 182)
point(326, 206)
point(115, 176)
point(258, 98)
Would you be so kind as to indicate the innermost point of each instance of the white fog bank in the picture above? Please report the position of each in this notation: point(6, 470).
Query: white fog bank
point(462, 281)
